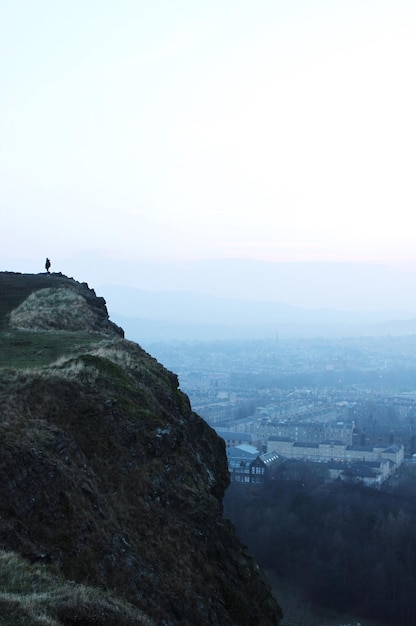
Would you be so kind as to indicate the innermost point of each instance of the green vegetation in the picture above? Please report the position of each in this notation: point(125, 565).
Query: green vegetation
point(22, 348)
point(43, 318)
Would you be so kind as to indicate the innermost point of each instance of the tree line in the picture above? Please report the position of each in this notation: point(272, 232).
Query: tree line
point(348, 547)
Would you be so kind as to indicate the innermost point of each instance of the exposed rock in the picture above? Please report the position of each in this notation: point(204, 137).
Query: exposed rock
point(108, 474)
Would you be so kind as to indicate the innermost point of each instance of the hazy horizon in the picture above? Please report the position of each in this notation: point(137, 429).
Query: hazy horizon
point(207, 301)
point(172, 137)
point(310, 285)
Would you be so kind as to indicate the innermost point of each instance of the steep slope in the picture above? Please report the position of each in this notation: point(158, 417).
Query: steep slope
point(107, 474)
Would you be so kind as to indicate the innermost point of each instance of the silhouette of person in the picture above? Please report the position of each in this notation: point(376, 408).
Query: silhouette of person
point(47, 265)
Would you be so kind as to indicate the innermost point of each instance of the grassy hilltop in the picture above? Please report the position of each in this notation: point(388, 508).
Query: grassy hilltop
point(110, 486)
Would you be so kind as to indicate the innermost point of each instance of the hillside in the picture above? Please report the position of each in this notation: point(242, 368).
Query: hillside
point(111, 487)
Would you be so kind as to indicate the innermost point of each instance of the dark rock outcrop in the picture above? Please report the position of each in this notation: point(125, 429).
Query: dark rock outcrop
point(107, 474)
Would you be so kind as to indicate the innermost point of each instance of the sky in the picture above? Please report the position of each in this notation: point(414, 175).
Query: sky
point(180, 130)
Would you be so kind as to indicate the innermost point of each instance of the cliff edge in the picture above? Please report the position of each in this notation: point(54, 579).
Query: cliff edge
point(111, 486)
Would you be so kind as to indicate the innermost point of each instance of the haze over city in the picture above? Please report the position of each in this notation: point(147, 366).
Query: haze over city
point(182, 146)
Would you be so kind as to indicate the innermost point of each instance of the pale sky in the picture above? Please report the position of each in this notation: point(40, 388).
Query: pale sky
point(166, 129)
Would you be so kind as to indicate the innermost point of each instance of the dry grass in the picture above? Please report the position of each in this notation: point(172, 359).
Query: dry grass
point(62, 309)
point(71, 368)
point(34, 595)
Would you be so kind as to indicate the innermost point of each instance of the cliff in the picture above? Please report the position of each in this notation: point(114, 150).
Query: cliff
point(111, 486)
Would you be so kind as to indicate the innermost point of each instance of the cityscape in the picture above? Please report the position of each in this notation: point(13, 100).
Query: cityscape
point(349, 404)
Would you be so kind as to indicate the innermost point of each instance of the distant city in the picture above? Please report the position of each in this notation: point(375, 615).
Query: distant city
point(336, 401)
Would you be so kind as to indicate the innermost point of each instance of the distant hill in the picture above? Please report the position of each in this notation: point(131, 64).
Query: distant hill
point(171, 315)
point(344, 286)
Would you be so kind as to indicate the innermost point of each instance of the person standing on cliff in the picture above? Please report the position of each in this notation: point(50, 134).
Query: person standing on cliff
point(47, 264)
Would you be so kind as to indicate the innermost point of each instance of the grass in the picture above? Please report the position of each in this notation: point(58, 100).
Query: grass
point(42, 318)
point(16, 288)
point(45, 309)
point(35, 595)
point(23, 348)
point(106, 471)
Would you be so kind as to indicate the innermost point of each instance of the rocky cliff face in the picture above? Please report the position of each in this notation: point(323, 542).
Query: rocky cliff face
point(106, 473)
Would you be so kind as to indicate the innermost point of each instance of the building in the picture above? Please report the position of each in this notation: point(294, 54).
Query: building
point(368, 473)
point(239, 462)
point(233, 438)
point(338, 452)
point(247, 465)
point(309, 432)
